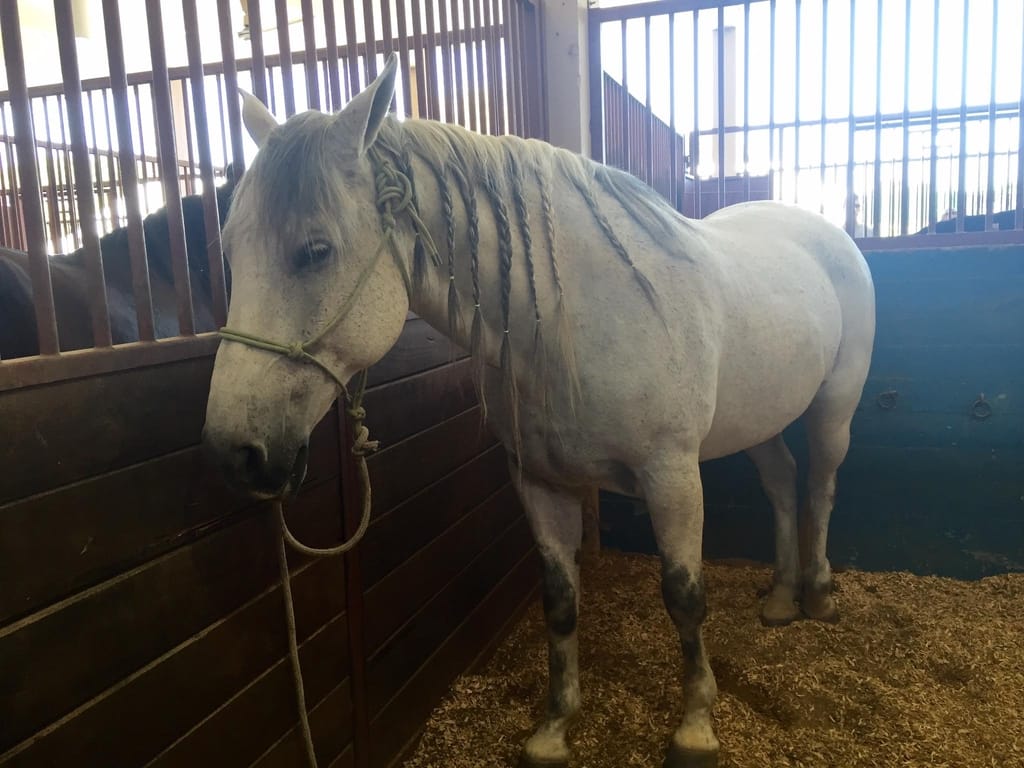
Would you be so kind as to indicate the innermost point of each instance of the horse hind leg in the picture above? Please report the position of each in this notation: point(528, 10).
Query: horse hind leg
point(777, 469)
point(556, 520)
point(828, 437)
point(675, 499)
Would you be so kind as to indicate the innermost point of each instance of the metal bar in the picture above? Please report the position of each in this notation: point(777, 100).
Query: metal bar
point(876, 195)
point(434, 80)
point(97, 176)
point(597, 148)
point(271, 90)
point(464, 114)
point(403, 54)
point(420, 59)
point(1019, 218)
point(697, 205)
point(221, 122)
point(720, 67)
point(17, 206)
point(961, 193)
point(450, 98)
point(851, 201)
point(211, 216)
point(39, 266)
point(933, 193)
point(673, 149)
point(142, 149)
point(497, 80)
point(370, 47)
point(168, 168)
point(990, 187)
point(796, 108)
point(331, 36)
point(227, 52)
point(627, 160)
point(649, 115)
point(482, 86)
point(309, 44)
point(824, 97)
point(191, 166)
point(905, 169)
point(112, 201)
point(510, 50)
point(284, 45)
point(353, 48)
point(771, 89)
point(259, 66)
point(746, 99)
point(68, 175)
point(51, 180)
point(96, 285)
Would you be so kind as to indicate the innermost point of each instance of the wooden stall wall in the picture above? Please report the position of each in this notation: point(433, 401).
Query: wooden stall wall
point(141, 619)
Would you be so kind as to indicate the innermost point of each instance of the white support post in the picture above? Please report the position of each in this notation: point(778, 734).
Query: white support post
point(565, 59)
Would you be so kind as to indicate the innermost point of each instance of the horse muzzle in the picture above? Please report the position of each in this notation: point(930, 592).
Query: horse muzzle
point(256, 469)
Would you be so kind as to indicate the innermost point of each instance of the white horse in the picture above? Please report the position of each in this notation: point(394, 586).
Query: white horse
point(617, 344)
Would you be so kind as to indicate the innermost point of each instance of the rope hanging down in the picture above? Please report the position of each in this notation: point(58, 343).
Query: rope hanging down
point(394, 195)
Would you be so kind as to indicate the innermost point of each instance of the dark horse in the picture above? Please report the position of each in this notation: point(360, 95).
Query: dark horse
point(18, 335)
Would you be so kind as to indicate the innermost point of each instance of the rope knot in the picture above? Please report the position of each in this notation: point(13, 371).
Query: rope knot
point(362, 444)
point(296, 351)
point(358, 413)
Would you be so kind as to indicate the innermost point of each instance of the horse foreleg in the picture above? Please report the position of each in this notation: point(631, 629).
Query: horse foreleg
point(777, 468)
point(556, 519)
point(675, 499)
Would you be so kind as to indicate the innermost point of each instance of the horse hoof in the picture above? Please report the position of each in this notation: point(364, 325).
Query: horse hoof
point(525, 761)
point(820, 607)
point(779, 611)
point(680, 757)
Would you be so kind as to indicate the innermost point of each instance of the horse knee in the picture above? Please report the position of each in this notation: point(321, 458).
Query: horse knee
point(684, 595)
point(560, 604)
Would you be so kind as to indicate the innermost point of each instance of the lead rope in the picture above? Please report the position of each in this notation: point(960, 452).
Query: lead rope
point(361, 446)
point(394, 196)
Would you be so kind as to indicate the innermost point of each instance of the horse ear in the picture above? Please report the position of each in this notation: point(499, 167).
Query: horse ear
point(259, 122)
point(366, 112)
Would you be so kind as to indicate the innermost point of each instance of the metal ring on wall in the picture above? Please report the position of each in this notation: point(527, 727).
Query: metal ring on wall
point(887, 400)
point(981, 409)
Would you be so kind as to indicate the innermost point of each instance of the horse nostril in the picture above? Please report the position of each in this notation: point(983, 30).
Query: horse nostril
point(253, 460)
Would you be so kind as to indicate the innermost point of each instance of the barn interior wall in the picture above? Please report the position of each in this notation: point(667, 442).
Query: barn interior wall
point(934, 481)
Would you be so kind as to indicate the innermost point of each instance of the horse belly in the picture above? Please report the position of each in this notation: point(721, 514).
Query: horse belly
point(769, 374)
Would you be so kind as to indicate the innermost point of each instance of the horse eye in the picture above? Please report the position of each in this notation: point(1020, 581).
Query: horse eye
point(313, 253)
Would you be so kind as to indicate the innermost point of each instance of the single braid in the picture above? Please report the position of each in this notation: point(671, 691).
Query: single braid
point(547, 211)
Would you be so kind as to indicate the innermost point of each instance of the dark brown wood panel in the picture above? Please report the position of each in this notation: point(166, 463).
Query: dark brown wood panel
point(60, 433)
point(397, 535)
point(194, 680)
point(404, 591)
point(63, 656)
point(344, 760)
point(330, 722)
point(404, 715)
point(411, 465)
point(402, 408)
point(399, 658)
point(419, 348)
point(256, 719)
point(119, 520)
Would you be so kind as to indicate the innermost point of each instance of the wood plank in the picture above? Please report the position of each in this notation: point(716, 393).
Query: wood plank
point(404, 591)
point(403, 715)
point(419, 348)
point(403, 469)
point(63, 656)
point(60, 433)
point(114, 522)
point(404, 407)
point(130, 723)
point(397, 535)
point(345, 760)
point(259, 716)
point(330, 722)
point(403, 653)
